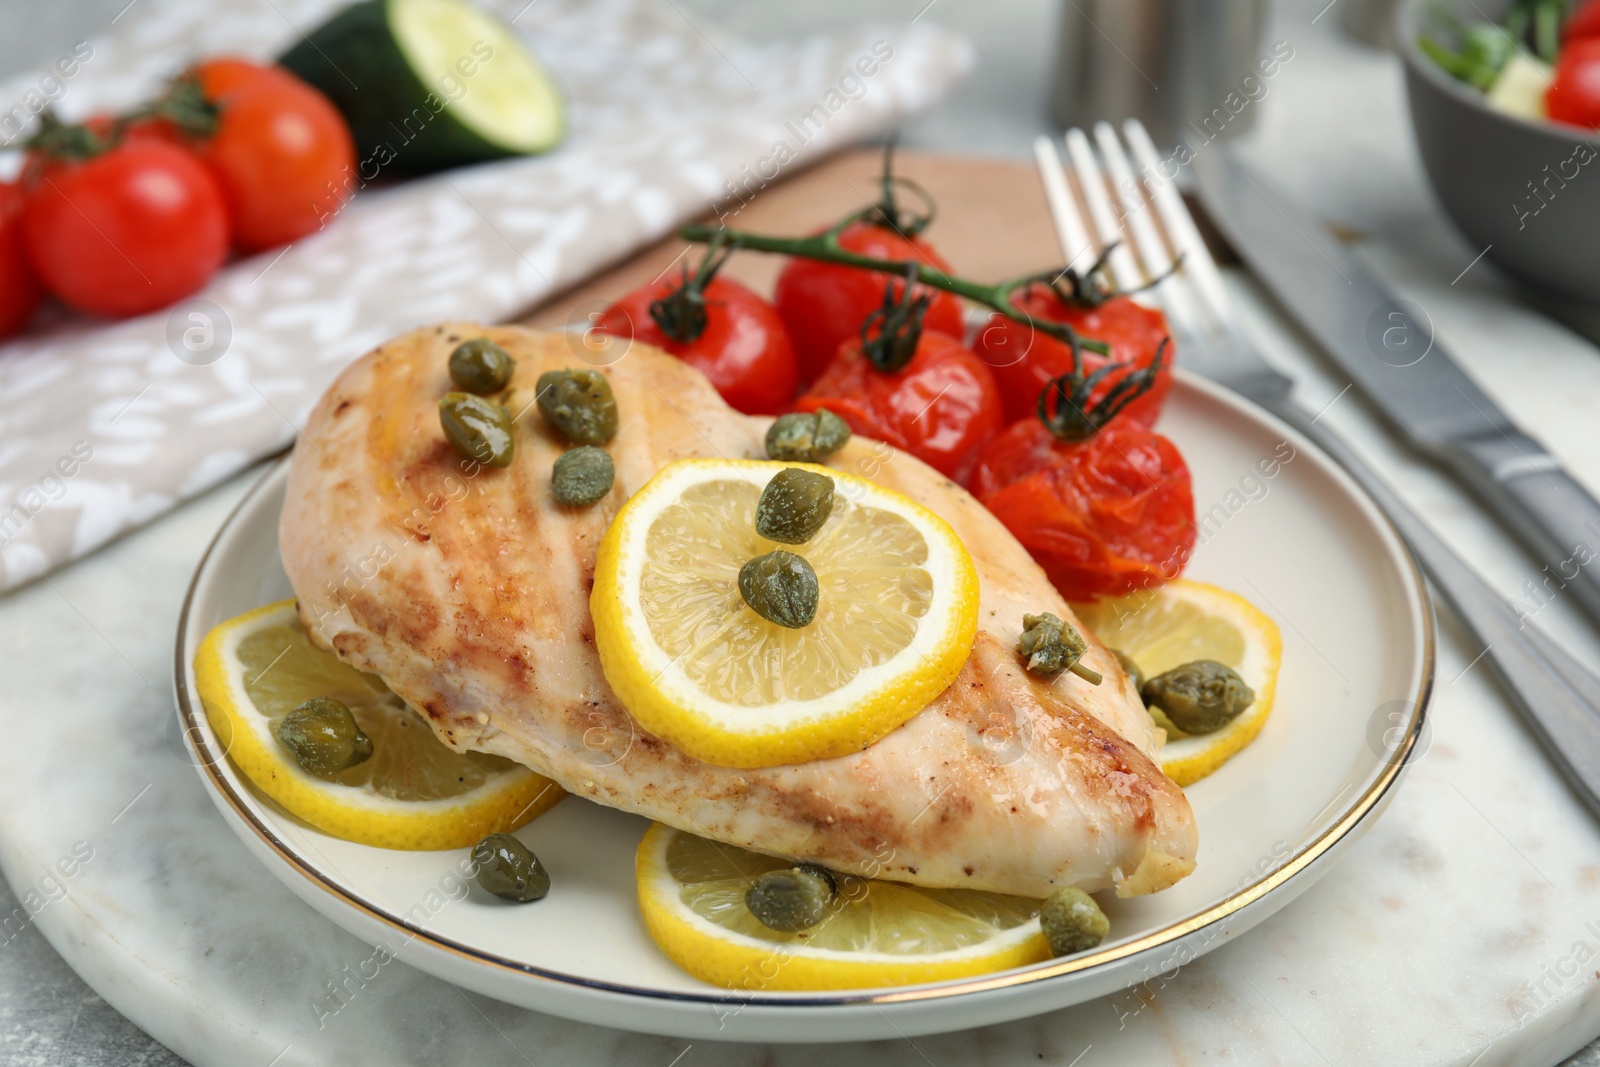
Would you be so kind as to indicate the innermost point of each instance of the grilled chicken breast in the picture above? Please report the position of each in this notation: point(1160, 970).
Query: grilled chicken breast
point(467, 590)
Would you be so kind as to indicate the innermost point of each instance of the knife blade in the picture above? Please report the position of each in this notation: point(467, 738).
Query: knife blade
point(1388, 348)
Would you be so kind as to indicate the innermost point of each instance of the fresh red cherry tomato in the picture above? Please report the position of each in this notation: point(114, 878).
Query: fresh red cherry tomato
point(942, 406)
point(280, 150)
point(741, 345)
point(1574, 95)
point(20, 291)
point(1103, 517)
point(824, 304)
point(1583, 22)
point(127, 230)
point(1024, 360)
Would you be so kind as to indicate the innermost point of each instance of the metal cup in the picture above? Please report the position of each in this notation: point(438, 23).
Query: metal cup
point(1168, 63)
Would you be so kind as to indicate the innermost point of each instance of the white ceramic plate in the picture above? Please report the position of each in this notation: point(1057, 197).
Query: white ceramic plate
point(1304, 544)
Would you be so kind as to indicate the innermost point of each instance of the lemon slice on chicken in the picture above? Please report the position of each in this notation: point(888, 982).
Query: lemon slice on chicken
point(873, 934)
point(414, 792)
point(1181, 622)
point(693, 663)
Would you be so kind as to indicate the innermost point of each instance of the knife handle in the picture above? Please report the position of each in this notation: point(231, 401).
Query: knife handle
point(1557, 518)
point(1557, 696)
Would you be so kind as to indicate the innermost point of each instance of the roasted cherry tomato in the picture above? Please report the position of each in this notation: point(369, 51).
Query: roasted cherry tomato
point(20, 291)
point(735, 338)
point(1574, 95)
point(824, 304)
point(1024, 360)
point(942, 406)
point(1103, 516)
point(127, 230)
point(280, 150)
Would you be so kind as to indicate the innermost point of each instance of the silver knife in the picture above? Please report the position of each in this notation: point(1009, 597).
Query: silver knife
point(1403, 369)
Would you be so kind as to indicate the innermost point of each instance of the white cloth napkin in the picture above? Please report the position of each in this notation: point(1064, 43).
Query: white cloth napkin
point(106, 425)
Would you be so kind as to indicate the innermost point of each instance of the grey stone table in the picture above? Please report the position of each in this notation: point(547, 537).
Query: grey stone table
point(1334, 131)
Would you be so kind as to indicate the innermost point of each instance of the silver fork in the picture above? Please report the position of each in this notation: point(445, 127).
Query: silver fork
point(1557, 696)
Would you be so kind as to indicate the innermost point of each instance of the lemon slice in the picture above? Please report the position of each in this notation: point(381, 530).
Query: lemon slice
point(413, 793)
point(1181, 622)
point(691, 892)
point(896, 616)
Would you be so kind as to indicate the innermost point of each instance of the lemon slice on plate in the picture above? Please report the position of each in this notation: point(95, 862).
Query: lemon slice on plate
point(693, 663)
point(413, 793)
point(874, 934)
point(1181, 622)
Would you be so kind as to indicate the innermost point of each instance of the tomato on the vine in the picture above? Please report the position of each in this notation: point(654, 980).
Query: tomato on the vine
point(918, 389)
point(123, 229)
point(1104, 516)
point(20, 291)
point(1025, 359)
point(1574, 95)
point(824, 304)
point(280, 150)
point(719, 327)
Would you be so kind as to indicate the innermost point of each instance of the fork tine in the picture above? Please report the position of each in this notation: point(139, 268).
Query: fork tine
point(1197, 261)
point(1092, 187)
point(1070, 233)
point(1148, 241)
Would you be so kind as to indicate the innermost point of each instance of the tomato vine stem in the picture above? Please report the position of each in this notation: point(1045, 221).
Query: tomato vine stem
point(825, 248)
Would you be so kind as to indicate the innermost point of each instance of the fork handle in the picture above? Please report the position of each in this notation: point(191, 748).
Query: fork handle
point(1556, 695)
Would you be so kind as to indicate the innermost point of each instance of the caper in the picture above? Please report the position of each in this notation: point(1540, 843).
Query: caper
point(792, 899)
point(582, 476)
point(1072, 922)
point(794, 505)
point(323, 737)
point(477, 428)
point(481, 366)
point(1053, 646)
point(806, 437)
point(781, 587)
point(578, 405)
point(507, 868)
point(1132, 669)
point(1199, 697)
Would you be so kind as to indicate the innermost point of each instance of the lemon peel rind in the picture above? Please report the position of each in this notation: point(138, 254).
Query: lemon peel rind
point(673, 718)
point(738, 961)
point(498, 806)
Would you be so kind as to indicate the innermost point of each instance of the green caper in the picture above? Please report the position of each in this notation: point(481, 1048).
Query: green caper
point(1053, 646)
point(323, 737)
point(781, 587)
point(806, 437)
point(1072, 922)
point(478, 429)
point(1199, 697)
point(1132, 669)
point(582, 476)
point(578, 405)
point(507, 868)
point(481, 366)
point(794, 505)
point(792, 899)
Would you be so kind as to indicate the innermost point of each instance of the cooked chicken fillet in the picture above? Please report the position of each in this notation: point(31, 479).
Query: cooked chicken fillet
point(467, 591)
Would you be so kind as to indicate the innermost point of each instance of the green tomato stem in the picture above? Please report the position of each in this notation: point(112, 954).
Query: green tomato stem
point(825, 248)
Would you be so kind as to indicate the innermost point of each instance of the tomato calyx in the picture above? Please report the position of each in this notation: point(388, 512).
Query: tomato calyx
point(889, 336)
point(888, 212)
point(1092, 287)
point(58, 140)
point(681, 314)
point(186, 107)
point(1075, 416)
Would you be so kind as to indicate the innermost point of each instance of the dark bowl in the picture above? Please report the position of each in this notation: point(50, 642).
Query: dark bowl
point(1527, 190)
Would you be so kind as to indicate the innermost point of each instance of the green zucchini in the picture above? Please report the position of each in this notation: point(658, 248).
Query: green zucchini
point(430, 84)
